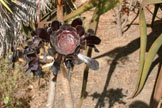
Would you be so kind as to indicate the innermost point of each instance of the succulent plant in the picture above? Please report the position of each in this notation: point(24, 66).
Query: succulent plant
point(66, 41)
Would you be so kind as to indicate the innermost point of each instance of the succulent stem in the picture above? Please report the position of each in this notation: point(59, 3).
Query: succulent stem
point(63, 74)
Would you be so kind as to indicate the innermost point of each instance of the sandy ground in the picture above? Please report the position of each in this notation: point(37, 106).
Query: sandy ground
point(115, 81)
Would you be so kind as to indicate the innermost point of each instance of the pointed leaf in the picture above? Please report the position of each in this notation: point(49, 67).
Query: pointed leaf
point(91, 32)
point(149, 58)
point(85, 7)
point(55, 25)
point(6, 6)
point(76, 22)
point(80, 30)
point(92, 40)
point(143, 42)
point(106, 5)
point(42, 33)
point(56, 65)
point(71, 4)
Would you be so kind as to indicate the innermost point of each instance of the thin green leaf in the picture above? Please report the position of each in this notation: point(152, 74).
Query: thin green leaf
point(146, 2)
point(32, 24)
point(71, 4)
point(93, 25)
point(158, 91)
point(85, 7)
point(106, 5)
point(6, 6)
point(149, 58)
point(48, 15)
point(143, 42)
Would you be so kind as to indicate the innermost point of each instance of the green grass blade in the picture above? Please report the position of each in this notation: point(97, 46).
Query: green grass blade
point(158, 91)
point(146, 2)
point(6, 6)
point(93, 25)
point(106, 5)
point(149, 58)
point(85, 7)
point(143, 42)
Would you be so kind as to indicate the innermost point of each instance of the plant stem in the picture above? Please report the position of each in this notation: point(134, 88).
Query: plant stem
point(118, 20)
point(64, 72)
point(93, 25)
point(51, 91)
point(66, 88)
point(52, 85)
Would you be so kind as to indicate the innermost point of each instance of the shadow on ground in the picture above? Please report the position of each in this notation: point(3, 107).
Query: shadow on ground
point(122, 52)
point(138, 104)
point(112, 96)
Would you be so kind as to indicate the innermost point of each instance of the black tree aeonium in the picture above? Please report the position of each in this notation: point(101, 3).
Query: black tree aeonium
point(66, 41)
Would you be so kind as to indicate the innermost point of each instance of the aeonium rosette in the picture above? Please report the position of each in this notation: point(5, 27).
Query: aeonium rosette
point(67, 40)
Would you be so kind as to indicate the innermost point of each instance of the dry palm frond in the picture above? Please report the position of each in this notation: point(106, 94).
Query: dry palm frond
point(11, 34)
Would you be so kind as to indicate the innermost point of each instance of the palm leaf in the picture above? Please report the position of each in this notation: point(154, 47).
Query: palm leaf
point(5, 5)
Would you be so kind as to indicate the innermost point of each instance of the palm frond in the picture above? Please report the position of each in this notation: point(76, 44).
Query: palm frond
point(11, 24)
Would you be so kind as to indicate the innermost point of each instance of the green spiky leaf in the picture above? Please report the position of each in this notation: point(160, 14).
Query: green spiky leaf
point(148, 61)
point(4, 3)
point(143, 42)
point(106, 5)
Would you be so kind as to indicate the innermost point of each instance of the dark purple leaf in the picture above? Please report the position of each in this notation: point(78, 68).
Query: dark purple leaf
point(80, 30)
point(92, 40)
point(42, 33)
point(91, 32)
point(93, 46)
point(76, 22)
point(56, 65)
point(55, 25)
point(33, 33)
